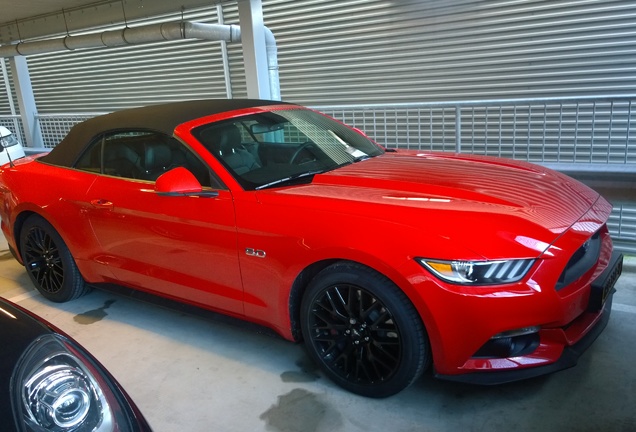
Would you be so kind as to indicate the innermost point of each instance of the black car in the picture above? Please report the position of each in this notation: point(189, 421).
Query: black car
point(48, 382)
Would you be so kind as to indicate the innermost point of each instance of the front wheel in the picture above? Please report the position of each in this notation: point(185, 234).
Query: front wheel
point(363, 331)
point(48, 261)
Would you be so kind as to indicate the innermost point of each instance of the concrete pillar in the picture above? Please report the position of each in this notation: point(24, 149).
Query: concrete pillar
point(254, 52)
point(26, 101)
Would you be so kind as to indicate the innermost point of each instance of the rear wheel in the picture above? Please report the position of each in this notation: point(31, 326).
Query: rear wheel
point(48, 261)
point(363, 331)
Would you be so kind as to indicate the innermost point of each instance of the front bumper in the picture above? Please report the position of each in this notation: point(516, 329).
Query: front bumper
point(601, 295)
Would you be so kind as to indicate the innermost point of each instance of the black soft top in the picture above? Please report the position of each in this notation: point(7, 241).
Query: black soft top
point(162, 118)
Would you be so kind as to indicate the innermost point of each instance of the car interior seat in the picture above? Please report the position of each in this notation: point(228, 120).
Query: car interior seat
point(121, 161)
point(225, 142)
point(157, 159)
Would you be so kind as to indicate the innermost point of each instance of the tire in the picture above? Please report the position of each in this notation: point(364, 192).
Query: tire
point(363, 331)
point(49, 263)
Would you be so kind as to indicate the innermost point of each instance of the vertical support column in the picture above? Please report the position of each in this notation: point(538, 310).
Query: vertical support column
point(26, 101)
point(458, 129)
point(254, 52)
point(224, 56)
point(7, 87)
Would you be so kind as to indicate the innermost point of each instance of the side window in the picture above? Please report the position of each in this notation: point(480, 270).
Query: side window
point(142, 155)
point(166, 153)
point(122, 153)
point(91, 160)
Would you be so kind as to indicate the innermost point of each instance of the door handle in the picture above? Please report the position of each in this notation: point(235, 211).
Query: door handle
point(102, 204)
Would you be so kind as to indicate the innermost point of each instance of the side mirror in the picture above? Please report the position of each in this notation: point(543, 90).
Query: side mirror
point(181, 182)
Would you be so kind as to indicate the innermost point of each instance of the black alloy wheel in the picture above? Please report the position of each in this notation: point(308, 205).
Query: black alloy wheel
point(48, 261)
point(363, 331)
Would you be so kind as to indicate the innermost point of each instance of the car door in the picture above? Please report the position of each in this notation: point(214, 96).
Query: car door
point(177, 246)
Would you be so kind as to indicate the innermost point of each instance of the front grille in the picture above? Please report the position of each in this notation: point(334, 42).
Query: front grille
point(583, 259)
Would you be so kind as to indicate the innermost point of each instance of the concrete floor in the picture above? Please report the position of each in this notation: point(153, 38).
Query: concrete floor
point(190, 373)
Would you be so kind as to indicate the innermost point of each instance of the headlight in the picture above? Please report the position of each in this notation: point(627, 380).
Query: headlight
point(478, 272)
point(55, 388)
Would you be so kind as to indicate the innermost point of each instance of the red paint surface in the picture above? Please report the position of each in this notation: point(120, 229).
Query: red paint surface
point(382, 212)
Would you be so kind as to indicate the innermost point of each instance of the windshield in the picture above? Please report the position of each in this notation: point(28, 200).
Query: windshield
point(281, 147)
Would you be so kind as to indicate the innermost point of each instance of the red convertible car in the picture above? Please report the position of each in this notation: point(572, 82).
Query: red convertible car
point(383, 261)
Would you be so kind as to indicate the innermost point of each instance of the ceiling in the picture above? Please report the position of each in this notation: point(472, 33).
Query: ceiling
point(23, 10)
point(26, 19)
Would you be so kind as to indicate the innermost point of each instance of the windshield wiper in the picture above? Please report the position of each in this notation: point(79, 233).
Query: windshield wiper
point(355, 160)
point(290, 178)
point(361, 158)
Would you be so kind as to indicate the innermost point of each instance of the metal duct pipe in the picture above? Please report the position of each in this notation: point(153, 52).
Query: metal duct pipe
point(149, 34)
point(272, 64)
point(232, 33)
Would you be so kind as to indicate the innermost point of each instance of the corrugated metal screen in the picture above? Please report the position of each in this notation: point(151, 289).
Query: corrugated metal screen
point(109, 79)
point(355, 51)
point(5, 107)
point(363, 51)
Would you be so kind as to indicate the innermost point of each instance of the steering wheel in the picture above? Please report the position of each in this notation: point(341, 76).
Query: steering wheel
point(295, 159)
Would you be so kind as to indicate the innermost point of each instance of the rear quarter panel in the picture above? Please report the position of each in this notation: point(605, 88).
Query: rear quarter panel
point(59, 196)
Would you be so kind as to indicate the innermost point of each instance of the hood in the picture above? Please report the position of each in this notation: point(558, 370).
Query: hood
point(474, 201)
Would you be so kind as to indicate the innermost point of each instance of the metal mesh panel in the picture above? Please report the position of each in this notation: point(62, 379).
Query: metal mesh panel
point(584, 131)
point(622, 227)
point(420, 127)
point(14, 124)
point(55, 127)
point(572, 132)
